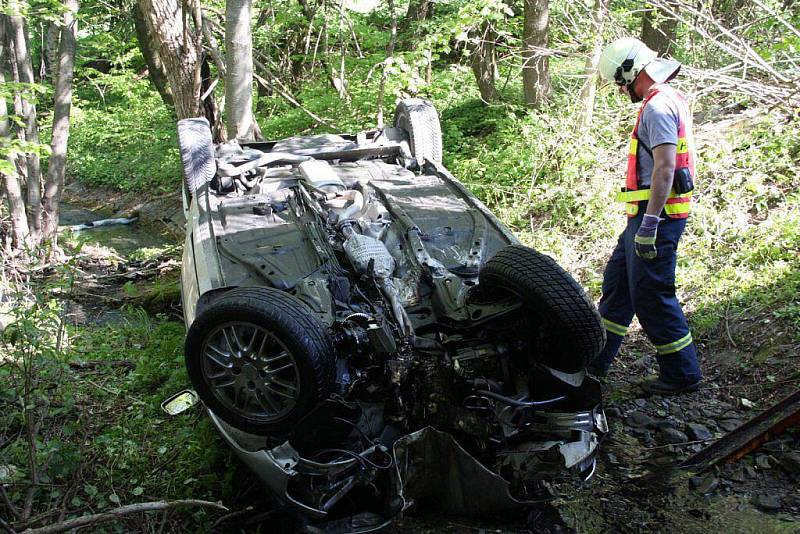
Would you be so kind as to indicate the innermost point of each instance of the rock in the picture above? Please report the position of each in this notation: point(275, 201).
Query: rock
point(750, 472)
point(769, 503)
point(698, 432)
point(8, 473)
point(764, 461)
point(672, 435)
point(774, 446)
point(641, 403)
point(639, 419)
point(746, 403)
point(737, 475)
point(661, 461)
point(661, 413)
point(729, 425)
point(790, 462)
point(709, 411)
point(613, 412)
point(704, 485)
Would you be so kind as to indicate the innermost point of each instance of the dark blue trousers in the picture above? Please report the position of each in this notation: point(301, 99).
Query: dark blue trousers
point(632, 285)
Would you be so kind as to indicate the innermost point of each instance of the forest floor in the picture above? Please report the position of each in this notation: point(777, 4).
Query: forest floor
point(637, 485)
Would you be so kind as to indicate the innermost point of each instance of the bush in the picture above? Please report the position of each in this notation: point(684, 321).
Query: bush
point(127, 141)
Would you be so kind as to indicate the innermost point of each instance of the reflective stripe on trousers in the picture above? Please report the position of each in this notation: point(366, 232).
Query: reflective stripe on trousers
point(632, 285)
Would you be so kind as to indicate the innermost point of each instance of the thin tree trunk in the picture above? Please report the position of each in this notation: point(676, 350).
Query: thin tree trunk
point(589, 89)
point(34, 186)
point(62, 107)
point(239, 64)
point(418, 11)
point(536, 67)
point(389, 55)
point(179, 53)
point(11, 186)
point(484, 64)
point(149, 49)
point(50, 54)
point(659, 30)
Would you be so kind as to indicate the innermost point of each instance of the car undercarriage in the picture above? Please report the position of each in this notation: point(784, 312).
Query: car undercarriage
point(367, 336)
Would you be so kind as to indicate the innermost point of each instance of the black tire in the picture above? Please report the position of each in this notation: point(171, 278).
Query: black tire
point(197, 153)
point(557, 307)
point(291, 327)
point(421, 121)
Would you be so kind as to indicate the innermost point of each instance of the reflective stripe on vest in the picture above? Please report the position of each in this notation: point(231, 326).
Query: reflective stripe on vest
point(677, 206)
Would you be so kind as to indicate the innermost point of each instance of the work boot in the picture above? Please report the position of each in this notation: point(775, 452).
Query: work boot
point(656, 386)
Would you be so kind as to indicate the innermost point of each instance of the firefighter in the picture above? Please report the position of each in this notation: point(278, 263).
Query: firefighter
point(640, 276)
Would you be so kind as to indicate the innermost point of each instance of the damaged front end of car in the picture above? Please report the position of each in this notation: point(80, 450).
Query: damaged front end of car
point(347, 466)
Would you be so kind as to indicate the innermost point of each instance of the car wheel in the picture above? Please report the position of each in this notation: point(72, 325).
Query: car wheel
point(558, 313)
point(259, 359)
point(421, 121)
point(197, 153)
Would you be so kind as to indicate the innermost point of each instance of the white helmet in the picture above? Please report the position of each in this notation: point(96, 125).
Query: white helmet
point(624, 59)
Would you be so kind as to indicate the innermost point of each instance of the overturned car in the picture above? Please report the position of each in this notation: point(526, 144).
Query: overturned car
point(365, 334)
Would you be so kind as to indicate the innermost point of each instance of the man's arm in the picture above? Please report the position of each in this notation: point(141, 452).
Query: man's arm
point(661, 180)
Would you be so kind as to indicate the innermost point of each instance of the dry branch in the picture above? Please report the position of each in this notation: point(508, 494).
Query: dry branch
point(122, 511)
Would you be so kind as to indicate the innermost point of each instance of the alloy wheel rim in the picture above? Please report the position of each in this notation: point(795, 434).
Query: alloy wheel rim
point(250, 371)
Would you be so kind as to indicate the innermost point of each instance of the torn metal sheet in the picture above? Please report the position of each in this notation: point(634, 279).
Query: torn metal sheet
point(431, 467)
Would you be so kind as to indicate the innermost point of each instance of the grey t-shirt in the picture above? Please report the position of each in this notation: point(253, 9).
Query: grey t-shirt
point(658, 126)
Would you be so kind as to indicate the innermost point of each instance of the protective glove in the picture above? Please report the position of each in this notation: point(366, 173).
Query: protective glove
point(645, 240)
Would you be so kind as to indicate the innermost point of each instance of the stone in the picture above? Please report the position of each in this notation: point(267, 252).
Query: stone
point(661, 413)
point(737, 475)
point(769, 503)
point(672, 435)
point(774, 446)
point(729, 425)
point(613, 412)
point(764, 461)
point(639, 419)
point(705, 485)
point(641, 403)
point(750, 472)
point(698, 432)
point(790, 462)
point(709, 411)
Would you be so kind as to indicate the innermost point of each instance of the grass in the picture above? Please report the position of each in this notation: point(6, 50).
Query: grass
point(103, 439)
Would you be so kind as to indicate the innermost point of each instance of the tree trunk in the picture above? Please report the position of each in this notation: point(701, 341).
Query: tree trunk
point(61, 110)
point(418, 11)
point(536, 66)
point(389, 57)
point(177, 47)
point(484, 64)
point(659, 30)
point(239, 65)
point(589, 89)
point(34, 186)
point(50, 54)
point(16, 204)
point(149, 50)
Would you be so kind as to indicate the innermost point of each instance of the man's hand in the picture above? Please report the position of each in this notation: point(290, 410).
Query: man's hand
point(645, 240)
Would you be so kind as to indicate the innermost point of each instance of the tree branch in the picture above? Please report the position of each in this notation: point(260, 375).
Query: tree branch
point(122, 511)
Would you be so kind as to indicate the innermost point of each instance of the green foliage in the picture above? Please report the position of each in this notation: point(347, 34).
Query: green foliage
point(129, 143)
